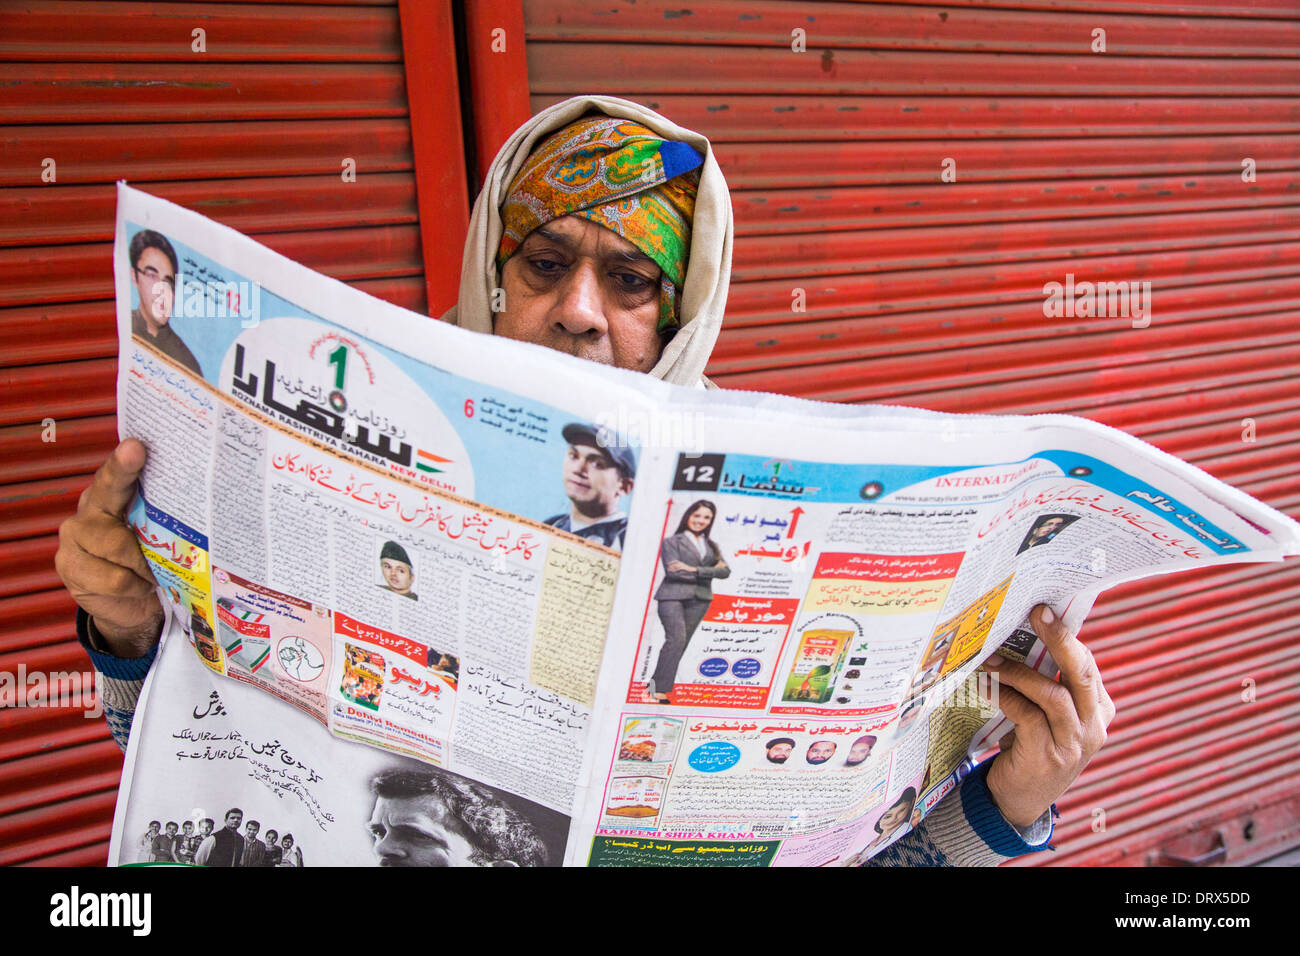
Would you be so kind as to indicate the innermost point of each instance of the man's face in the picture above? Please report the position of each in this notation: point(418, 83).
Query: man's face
point(251, 830)
point(592, 480)
point(821, 751)
point(155, 281)
point(397, 573)
point(1049, 527)
point(233, 820)
point(418, 831)
point(860, 751)
point(779, 753)
point(908, 719)
point(580, 288)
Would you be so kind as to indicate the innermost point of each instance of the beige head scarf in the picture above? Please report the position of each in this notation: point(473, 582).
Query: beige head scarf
point(708, 270)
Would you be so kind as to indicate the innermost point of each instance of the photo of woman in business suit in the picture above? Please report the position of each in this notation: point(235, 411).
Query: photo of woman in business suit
point(691, 561)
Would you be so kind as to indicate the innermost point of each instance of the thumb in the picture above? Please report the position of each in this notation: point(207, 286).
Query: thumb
point(114, 485)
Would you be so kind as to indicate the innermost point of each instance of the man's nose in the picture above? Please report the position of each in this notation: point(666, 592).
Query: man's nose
point(580, 307)
point(388, 848)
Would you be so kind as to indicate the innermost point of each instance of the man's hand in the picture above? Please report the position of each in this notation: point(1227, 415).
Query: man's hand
point(100, 562)
point(1059, 726)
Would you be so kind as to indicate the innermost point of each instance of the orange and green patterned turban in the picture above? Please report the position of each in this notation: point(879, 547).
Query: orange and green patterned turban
point(620, 175)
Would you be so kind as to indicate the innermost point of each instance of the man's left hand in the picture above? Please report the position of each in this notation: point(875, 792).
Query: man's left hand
point(1059, 726)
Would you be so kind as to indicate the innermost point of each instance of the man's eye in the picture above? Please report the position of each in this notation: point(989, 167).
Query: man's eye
point(546, 267)
point(631, 281)
point(415, 835)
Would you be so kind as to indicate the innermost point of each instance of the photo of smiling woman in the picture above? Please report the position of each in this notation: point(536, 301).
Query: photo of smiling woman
point(899, 813)
point(893, 818)
point(691, 561)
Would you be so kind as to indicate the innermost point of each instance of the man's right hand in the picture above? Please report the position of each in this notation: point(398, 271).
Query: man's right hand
point(100, 561)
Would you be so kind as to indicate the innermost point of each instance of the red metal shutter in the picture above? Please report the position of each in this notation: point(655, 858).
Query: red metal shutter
point(1122, 165)
point(253, 132)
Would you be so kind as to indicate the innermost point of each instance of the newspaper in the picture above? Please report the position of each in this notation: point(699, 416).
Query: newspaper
point(436, 597)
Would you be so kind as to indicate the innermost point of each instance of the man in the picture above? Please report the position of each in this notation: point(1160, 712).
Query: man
point(1045, 530)
point(164, 845)
point(860, 750)
point(779, 749)
point(395, 565)
point(225, 847)
point(188, 843)
point(820, 751)
point(274, 852)
point(153, 272)
point(596, 476)
point(254, 849)
point(145, 846)
point(290, 855)
point(586, 270)
point(423, 816)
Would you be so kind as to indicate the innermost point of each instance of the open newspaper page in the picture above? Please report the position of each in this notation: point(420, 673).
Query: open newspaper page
point(827, 583)
point(371, 564)
point(540, 611)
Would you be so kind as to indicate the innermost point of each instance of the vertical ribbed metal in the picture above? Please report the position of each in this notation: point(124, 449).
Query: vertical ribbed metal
point(252, 132)
point(1118, 165)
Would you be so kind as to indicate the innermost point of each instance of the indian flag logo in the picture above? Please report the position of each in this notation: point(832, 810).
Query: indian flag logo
point(427, 461)
point(261, 659)
point(235, 646)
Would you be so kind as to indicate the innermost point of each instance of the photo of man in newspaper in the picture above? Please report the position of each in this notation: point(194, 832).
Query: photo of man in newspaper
point(154, 267)
point(1045, 529)
point(860, 750)
point(597, 474)
point(778, 749)
point(820, 751)
point(424, 816)
point(397, 571)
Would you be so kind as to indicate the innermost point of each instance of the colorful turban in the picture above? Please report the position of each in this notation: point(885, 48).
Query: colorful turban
point(620, 175)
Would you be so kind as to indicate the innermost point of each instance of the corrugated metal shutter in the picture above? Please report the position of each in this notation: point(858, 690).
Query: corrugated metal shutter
point(1123, 165)
point(252, 132)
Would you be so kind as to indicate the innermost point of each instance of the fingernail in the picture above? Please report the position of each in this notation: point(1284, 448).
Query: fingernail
point(994, 660)
point(1048, 616)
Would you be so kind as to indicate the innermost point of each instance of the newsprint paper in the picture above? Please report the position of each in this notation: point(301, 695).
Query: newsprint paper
point(422, 583)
